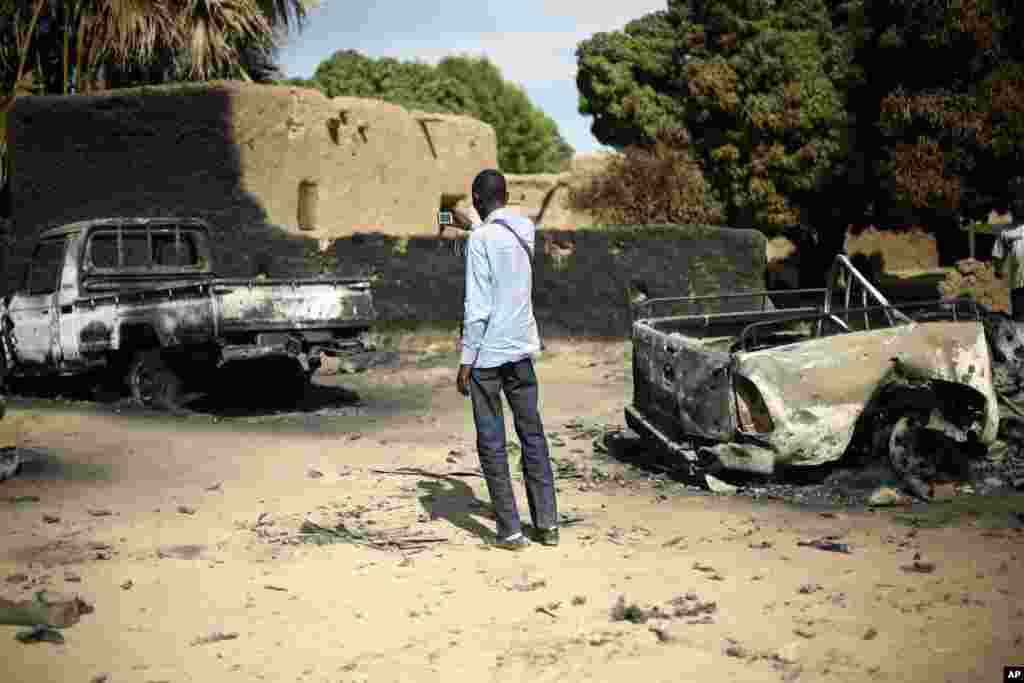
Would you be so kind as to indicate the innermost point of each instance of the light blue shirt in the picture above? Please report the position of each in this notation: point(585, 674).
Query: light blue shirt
point(499, 326)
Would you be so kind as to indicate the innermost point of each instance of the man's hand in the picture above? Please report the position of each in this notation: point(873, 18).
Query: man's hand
point(462, 220)
point(462, 382)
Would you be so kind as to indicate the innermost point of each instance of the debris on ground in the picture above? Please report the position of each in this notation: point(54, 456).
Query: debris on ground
point(828, 543)
point(887, 495)
point(51, 519)
point(99, 512)
point(186, 510)
point(919, 567)
point(127, 585)
point(313, 473)
point(40, 634)
point(311, 532)
point(214, 637)
point(10, 463)
point(43, 609)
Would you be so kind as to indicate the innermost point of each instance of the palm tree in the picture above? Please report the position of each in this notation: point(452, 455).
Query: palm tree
point(60, 46)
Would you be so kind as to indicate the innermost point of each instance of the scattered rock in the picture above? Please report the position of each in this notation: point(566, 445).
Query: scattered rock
point(809, 588)
point(663, 632)
point(17, 578)
point(314, 473)
point(72, 577)
point(99, 512)
point(214, 637)
point(272, 587)
point(127, 585)
point(102, 678)
point(215, 487)
point(186, 510)
point(763, 545)
point(734, 649)
point(803, 633)
point(51, 519)
point(870, 634)
point(578, 600)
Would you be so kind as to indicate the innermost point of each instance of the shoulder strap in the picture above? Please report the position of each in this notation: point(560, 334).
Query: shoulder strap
point(522, 242)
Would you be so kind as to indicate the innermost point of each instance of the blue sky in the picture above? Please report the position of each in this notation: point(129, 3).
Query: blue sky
point(533, 42)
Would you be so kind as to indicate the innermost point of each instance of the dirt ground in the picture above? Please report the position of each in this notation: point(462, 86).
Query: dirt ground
point(179, 528)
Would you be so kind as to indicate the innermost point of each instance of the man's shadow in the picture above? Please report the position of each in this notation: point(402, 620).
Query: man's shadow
point(453, 500)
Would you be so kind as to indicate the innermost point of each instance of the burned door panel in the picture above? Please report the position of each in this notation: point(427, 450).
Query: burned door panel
point(703, 390)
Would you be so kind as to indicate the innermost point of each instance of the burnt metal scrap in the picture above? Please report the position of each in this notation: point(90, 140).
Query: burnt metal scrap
point(738, 383)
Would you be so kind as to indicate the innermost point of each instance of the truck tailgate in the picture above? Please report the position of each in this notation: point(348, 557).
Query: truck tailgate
point(247, 305)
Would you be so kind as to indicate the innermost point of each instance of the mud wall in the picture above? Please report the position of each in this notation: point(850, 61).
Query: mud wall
point(897, 250)
point(581, 282)
point(261, 163)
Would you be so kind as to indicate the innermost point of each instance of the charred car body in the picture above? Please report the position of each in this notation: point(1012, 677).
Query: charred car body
point(735, 383)
point(139, 297)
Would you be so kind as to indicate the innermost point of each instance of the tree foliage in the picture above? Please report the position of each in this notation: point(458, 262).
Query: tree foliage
point(660, 183)
point(824, 111)
point(943, 99)
point(757, 85)
point(528, 140)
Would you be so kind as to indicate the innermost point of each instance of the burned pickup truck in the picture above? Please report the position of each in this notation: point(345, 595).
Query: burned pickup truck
point(740, 383)
point(137, 298)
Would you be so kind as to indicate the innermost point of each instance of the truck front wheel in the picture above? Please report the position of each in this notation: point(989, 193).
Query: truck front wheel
point(152, 383)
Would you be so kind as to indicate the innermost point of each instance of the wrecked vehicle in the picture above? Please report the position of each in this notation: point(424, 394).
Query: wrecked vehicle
point(736, 383)
point(137, 298)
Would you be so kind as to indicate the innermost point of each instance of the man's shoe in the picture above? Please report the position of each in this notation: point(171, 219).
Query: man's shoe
point(547, 536)
point(515, 543)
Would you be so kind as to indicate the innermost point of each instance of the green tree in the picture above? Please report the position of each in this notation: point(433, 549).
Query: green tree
point(528, 140)
point(758, 85)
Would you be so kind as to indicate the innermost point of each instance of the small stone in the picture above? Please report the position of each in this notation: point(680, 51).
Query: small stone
point(102, 678)
point(663, 633)
point(127, 585)
point(17, 578)
point(735, 650)
point(186, 510)
point(71, 577)
point(51, 519)
point(100, 512)
point(579, 600)
point(870, 634)
point(803, 633)
point(809, 588)
point(314, 473)
point(215, 487)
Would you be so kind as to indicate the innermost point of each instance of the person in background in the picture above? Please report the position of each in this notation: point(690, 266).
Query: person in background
point(500, 338)
point(1008, 254)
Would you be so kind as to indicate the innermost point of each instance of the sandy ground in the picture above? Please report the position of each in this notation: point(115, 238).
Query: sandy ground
point(204, 514)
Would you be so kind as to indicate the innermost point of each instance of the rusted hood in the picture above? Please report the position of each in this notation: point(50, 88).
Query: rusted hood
point(816, 390)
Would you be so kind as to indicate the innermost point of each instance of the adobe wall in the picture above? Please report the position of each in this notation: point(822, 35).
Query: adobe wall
point(240, 156)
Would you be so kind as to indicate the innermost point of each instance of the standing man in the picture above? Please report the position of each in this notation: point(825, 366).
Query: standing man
point(1009, 251)
point(499, 339)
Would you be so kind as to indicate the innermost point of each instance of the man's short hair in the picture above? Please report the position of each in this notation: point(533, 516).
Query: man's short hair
point(490, 186)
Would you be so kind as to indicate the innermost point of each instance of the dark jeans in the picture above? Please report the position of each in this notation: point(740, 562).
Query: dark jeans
point(1017, 304)
point(519, 383)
